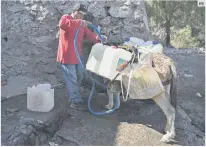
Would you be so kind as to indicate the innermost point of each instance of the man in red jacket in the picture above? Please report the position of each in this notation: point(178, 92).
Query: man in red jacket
point(72, 70)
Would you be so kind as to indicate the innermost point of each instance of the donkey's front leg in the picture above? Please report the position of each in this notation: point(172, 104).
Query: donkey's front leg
point(110, 105)
point(117, 100)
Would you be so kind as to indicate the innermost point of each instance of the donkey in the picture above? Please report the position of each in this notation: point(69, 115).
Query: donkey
point(166, 100)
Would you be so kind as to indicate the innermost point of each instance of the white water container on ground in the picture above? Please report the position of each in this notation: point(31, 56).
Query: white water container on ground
point(106, 61)
point(40, 98)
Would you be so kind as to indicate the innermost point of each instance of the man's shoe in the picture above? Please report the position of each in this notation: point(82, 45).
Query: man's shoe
point(78, 106)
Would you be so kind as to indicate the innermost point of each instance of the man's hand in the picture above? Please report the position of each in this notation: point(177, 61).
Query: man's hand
point(85, 23)
point(104, 39)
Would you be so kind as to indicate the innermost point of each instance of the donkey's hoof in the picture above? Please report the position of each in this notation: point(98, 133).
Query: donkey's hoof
point(108, 107)
point(167, 138)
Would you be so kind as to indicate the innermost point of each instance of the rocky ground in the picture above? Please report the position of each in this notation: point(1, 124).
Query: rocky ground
point(135, 123)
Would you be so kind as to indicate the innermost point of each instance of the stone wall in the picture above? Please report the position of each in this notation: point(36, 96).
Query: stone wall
point(30, 33)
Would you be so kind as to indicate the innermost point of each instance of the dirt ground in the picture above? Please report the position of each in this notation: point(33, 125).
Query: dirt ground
point(140, 122)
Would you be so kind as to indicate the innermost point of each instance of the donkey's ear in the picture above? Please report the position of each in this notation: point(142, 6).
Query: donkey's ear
point(147, 59)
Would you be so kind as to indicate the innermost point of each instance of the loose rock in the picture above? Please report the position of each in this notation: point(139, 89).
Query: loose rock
point(198, 95)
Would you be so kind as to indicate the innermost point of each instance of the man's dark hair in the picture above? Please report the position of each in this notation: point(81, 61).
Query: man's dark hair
point(79, 7)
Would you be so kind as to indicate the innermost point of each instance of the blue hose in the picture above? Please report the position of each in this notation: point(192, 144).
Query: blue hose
point(94, 80)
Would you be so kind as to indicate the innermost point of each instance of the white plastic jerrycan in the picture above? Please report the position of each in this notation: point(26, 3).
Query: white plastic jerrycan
point(40, 98)
point(95, 57)
point(151, 48)
point(113, 62)
point(156, 48)
point(107, 61)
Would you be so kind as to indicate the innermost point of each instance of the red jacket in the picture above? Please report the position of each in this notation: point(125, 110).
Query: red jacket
point(68, 26)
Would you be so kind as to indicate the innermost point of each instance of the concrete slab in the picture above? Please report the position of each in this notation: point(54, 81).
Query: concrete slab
point(16, 116)
point(131, 125)
point(20, 104)
point(89, 130)
point(17, 85)
point(136, 123)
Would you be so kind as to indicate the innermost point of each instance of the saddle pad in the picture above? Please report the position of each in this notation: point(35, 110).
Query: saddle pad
point(145, 83)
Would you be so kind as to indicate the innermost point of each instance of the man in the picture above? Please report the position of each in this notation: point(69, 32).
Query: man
point(72, 70)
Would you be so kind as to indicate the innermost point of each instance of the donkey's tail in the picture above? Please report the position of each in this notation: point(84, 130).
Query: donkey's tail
point(173, 87)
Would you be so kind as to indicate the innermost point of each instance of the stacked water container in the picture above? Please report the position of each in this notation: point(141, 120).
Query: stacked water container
point(145, 47)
